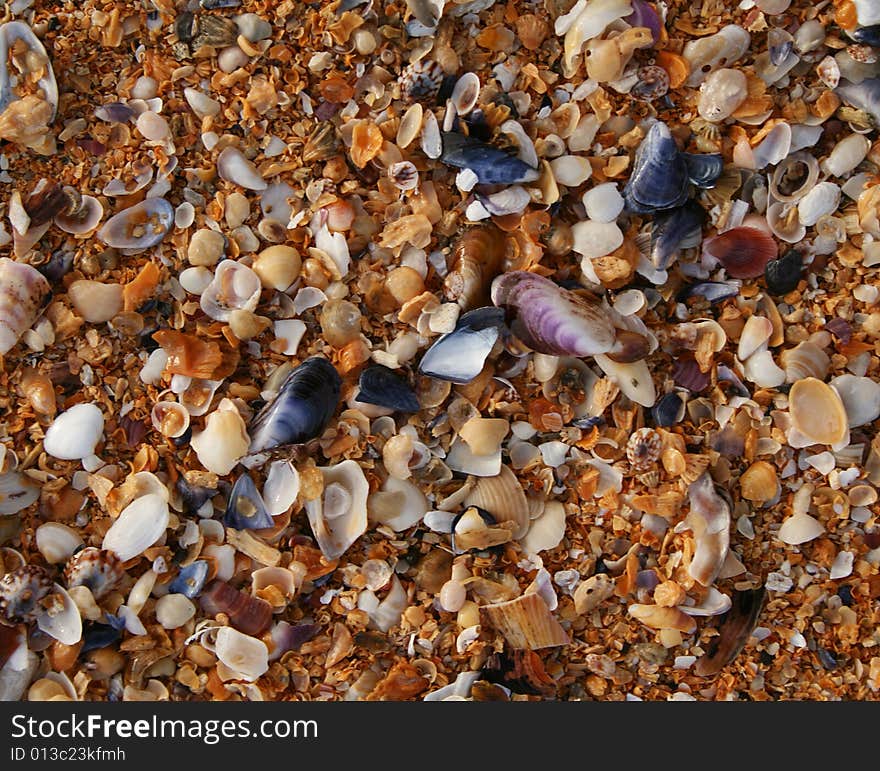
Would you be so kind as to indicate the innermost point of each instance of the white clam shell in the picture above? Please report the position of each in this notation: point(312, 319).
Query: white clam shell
point(339, 517)
point(603, 203)
point(596, 239)
point(244, 655)
point(800, 528)
point(465, 93)
point(234, 287)
point(399, 505)
point(17, 492)
point(138, 527)
point(74, 433)
point(860, 397)
point(713, 604)
point(546, 531)
point(756, 332)
point(281, 487)
point(848, 153)
point(63, 623)
point(823, 199)
point(22, 289)
point(57, 542)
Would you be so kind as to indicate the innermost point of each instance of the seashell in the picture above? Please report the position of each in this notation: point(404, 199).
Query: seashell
point(170, 419)
point(800, 528)
point(653, 83)
point(673, 230)
point(22, 292)
point(246, 657)
point(190, 580)
point(399, 505)
point(603, 203)
point(94, 301)
point(784, 223)
point(234, 287)
point(484, 435)
point(223, 441)
point(245, 509)
point(633, 378)
point(98, 570)
point(669, 410)
point(661, 617)
point(848, 153)
point(592, 592)
point(659, 178)
point(21, 593)
point(460, 355)
point(477, 258)
point(339, 517)
point(526, 623)
point(721, 93)
point(59, 617)
point(773, 148)
point(607, 58)
point(706, 53)
point(281, 488)
point(643, 449)
point(75, 433)
point(756, 332)
point(586, 21)
point(490, 165)
point(761, 370)
point(511, 200)
point(174, 610)
point(139, 227)
point(57, 542)
point(17, 492)
point(784, 274)
point(704, 169)
point(823, 199)
point(744, 251)
point(460, 458)
point(547, 531)
point(192, 357)
point(863, 96)
point(644, 15)
point(234, 167)
point(806, 359)
point(860, 397)
point(465, 93)
point(246, 613)
point(410, 125)
point(382, 386)
point(714, 291)
point(817, 414)
point(734, 630)
point(709, 521)
point(596, 239)
point(794, 177)
point(82, 221)
point(301, 409)
point(759, 483)
point(713, 604)
point(552, 320)
point(139, 526)
point(503, 497)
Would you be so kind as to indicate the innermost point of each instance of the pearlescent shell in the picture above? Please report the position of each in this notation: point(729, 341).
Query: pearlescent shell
point(860, 397)
point(15, 31)
point(138, 527)
point(22, 290)
point(138, 227)
point(234, 287)
point(57, 542)
point(817, 411)
point(74, 433)
point(339, 518)
point(62, 619)
point(806, 359)
point(83, 220)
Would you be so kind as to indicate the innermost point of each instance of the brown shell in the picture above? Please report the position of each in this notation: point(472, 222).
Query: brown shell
point(246, 613)
point(477, 258)
point(526, 623)
point(21, 591)
point(98, 569)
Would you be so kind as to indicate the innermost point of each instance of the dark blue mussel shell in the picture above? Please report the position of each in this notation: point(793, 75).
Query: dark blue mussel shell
point(703, 169)
point(491, 165)
point(713, 291)
point(675, 229)
point(867, 36)
point(669, 410)
point(301, 409)
point(245, 509)
point(382, 386)
point(660, 175)
point(459, 356)
point(864, 96)
point(190, 580)
point(784, 274)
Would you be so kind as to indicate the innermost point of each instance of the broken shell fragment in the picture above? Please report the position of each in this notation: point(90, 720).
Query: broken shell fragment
point(234, 287)
point(21, 592)
point(59, 617)
point(170, 419)
point(84, 219)
point(339, 517)
point(234, 167)
point(709, 520)
point(526, 623)
point(459, 356)
point(660, 617)
point(503, 497)
point(860, 397)
point(246, 657)
point(223, 441)
point(592, 593)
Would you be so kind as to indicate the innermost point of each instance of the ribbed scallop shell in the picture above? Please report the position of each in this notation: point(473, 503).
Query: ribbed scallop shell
point(503, 497)
point(22, 291)
point(98, 569)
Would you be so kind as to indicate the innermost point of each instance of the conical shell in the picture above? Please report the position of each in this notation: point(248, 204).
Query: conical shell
point(817, 412)
point(503, 497)
point(526, 623)
point(22, 290)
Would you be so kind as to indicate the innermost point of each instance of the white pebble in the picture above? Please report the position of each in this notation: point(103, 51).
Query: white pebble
point(452, 596)
point(174, 610)
point(231, 58)
point(145, 87)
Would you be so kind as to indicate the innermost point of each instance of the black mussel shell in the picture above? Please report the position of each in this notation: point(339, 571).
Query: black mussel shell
point(669, 410)
point(676, 229)
point(213, 5)
point(185, 27)
point(522, 671)
point(190, 580)
point(301, 409)
point(491, 165)
point(459, 356)
point(382, 386)
point(867, 36)
point(193, 497)
point(660, 175)
point(57, 266)
point(783, 274)
point(734, 629)
point(727, 375)
point(703, 169)
point(713, 291)
point(97, 635)
point(245, 509)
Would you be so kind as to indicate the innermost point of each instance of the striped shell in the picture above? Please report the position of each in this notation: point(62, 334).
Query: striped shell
point(643, 449)
point(21, 591)
point(98, 569)
point(22, 290)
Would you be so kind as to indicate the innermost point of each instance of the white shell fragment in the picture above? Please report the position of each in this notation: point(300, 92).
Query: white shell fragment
point(234, 167)
point(339, 517)
point(245, 656)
